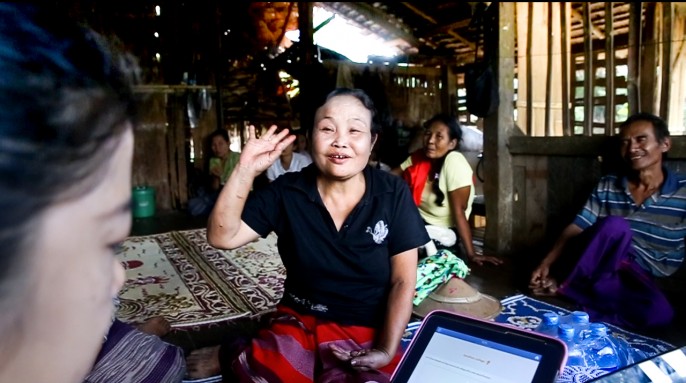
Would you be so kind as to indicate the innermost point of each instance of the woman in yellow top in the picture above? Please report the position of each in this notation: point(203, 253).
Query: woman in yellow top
point(441, 181)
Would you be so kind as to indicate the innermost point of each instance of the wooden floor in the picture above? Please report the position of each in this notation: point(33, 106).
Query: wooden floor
point(501, 281)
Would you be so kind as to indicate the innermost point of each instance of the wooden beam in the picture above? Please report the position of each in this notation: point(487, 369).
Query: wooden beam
point(557, 146)
point(578, 146)
point(447, 29)
point(580, 17)
point(380, 18)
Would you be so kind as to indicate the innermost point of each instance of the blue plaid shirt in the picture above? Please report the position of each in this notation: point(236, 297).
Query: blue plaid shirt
point(658, 225)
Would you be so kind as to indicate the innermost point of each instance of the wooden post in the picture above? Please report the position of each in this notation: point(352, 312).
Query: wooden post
point(589, 74)
point(448, 90)
point(564, 57)
point(648, 58)
point(498, 190)
point(219, 67)
point(549, 70)
point(633, 57)
point(529, 85)
point(666, 62)
point(609, 70)
point(305, 16)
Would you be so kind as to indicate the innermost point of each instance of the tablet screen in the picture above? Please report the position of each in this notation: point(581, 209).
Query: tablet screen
point(452, 348)
point(452, 356)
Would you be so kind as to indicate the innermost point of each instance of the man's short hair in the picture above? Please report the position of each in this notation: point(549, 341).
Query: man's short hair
point(659, 125)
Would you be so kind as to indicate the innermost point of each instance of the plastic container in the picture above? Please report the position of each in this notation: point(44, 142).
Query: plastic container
point(565, 333)
point(143, 202)
point(580, 321)
point(599, 349)
point(548, 325)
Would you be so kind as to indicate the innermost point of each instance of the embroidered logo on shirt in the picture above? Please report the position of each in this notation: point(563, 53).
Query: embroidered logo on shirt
point(380, 232)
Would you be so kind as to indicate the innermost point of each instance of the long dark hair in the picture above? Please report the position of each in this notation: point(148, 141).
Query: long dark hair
point(65, 97)
point(455, 133)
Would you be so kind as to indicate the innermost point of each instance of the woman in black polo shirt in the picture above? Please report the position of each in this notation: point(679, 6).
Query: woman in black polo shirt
point(348, 236)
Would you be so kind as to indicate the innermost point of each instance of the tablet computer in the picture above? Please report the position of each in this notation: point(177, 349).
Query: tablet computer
point(450, 347)
point(667, 367)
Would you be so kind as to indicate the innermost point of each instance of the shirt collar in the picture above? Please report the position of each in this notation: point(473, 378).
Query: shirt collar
point(669, 185)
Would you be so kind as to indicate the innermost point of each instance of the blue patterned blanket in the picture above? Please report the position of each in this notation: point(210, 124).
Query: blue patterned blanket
point(526, 312)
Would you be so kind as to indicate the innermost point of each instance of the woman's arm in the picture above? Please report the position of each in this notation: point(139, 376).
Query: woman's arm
point(403, 283)
point(399, 310)
point(458, 204)
point(225, 229)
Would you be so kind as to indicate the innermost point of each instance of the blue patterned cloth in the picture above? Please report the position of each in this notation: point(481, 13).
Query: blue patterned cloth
point(525, 312)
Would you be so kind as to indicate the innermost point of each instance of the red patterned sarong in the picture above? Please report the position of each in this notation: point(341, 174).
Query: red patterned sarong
point(294, 349)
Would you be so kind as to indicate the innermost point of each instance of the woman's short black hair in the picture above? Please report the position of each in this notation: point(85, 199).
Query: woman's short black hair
point(364, 99)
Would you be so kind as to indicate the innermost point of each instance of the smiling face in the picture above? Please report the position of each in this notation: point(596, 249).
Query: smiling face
point(75, 275)
point(640, 148)
point(342, 140)
point(437, 141)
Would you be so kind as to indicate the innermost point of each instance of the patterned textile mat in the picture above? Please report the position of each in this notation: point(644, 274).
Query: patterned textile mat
point(526, 312)
point(180, 276)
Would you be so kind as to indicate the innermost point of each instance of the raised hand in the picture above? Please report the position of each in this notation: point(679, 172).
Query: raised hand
point(259, 153)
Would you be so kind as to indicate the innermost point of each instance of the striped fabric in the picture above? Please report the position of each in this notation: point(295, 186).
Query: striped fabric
point(294, 349)
point(131, 356)
point(658, 225)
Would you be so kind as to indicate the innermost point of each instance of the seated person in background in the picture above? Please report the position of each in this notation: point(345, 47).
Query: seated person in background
point(66, 131)
point(301, 144)
point(441, 181)
point(223, 160)
point(630, 231)
point(289, 161)
point(136, 354)
point(348, 235)
point(220, 165)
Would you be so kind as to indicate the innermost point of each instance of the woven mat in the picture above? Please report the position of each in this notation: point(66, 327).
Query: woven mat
point(180, 276)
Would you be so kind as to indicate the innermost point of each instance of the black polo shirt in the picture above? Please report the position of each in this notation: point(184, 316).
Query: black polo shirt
point(343, 275)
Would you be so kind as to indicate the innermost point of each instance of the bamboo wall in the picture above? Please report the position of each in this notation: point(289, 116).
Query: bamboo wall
point(163, 141)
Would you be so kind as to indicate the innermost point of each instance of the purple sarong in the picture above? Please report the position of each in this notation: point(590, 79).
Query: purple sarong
point(610, 285)
point(131, 356)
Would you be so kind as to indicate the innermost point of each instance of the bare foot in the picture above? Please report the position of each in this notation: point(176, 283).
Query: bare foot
point(155, 326)
point(203, 363)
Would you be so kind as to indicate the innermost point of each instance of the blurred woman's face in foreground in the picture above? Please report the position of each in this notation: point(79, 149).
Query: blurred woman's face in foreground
point(74, 275)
